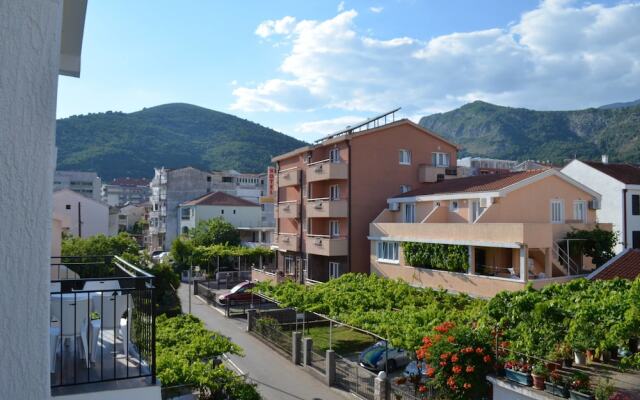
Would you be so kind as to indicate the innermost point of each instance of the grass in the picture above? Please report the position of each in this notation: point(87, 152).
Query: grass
point(343, 340)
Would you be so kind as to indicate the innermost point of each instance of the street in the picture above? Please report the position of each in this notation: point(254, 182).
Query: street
point(276, 376)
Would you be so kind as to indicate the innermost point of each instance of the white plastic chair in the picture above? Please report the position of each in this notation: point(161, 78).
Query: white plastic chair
point(111, 308)
point(72, 313)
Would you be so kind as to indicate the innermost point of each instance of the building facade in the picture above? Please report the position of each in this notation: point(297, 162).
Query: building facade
point(501, 230)
point(122, 191)
point(619, 185)
point(473, 166)
point(327, 193)
point(81, 216)
point(86, 183)
point(237, 211)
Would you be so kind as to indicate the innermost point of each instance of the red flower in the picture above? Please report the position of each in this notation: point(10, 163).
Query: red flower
point(444, 356)
point(431, 372)
point(470, 369)
point(486, 358)
point(456, 369)
point(451, 339)
point(467, 386)
point(422, 389)
point(479, 350)
point(443, 363)
point(444, 327)
point(454, 358)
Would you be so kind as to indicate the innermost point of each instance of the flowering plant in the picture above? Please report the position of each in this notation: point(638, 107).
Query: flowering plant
point(580, 383)
point(556, 378)
point(459, 358)
point(518, 366)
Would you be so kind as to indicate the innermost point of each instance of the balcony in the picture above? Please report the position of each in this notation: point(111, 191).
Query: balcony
point(324, 245)
point(428, 173)
point(288, 209)
point(288, 177)
point(102, 325)
point(288, 241)
point(327, 208)
point(325, 170)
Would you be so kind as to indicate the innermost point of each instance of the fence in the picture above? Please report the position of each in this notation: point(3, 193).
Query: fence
point(408, 391)
point(269, 331)
point(353, 378)
point(318, 362)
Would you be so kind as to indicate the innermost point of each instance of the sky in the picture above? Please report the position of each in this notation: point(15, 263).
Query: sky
point(308, 68)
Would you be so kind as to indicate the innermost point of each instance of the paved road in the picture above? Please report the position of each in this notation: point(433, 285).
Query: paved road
point(277, 377)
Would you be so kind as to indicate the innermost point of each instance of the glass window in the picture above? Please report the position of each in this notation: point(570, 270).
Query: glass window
point(405, 188)
point(440, 159)
point(453, 205)
point(410, 213)
point(334, 227)
point(334, 155)
point(580, 210)
point(557, 211)
point(186, 213)
point(334, 192)
point(334, 270)
point(387, 251)
point(405, 157)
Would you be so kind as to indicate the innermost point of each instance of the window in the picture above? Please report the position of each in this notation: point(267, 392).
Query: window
point(405, 188)
point(635, 204)
point(185, 230)
point(474, 210)
point(234, 211)
point(334, 192)
point(580, 210)
point(453, 205)
point(635, 239)
point(334, 155)
point(388, 252)
point(186, 213)
point(208, 179)
point(410, 213)
point(405, 157)
point(440, 159)
point(557, 211)
point(334, 270)
point(334, 228)
point(289, 265)
point(222, 211)
point(68, 207)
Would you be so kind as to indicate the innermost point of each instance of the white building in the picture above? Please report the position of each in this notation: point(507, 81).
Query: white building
point(121, 191)
point(237, 211)
point(122, 219)
point(81, 216)
point(172, 187)
point(85, 183)
point(619, 185)
point(472, 166)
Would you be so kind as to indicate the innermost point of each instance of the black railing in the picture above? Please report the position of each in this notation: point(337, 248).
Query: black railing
point(102, 321)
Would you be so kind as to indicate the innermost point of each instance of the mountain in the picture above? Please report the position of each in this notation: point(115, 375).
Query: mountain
point(621, 105)
point(115, 144)
point(484, 129)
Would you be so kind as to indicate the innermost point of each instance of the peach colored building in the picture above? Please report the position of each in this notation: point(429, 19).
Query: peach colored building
point(329, 192)
point(510, 228)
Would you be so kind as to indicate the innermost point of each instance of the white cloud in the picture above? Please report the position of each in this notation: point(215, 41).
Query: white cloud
point(376, 10)
point(276, 27)
point(557, 56)
point(327, 126)
point(341, 6)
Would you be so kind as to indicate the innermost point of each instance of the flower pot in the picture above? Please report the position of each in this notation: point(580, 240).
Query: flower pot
point(606, 355)
point(591, 355)
point(552, 366)
point(580, 396)
point(567, 362)
point(614, 353)
point(518, 377)
point(556, 390)
point(579, 358)
point(538, 381)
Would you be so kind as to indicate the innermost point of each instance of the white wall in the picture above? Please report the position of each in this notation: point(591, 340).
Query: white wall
point(29, 60)
point(243, 217)
point(610, 189)
point(633, 221)
point(94, 214)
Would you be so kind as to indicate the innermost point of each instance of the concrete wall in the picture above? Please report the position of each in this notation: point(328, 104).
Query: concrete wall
point(29, 62)
point(248, 217)
point(94, 214)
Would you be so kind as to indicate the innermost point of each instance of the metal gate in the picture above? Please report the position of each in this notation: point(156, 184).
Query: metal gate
point(352, 377)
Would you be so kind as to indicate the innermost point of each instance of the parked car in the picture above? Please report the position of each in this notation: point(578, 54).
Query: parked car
point(412, 370)
point(374, 357)
point(159, 256)
point(238, 294)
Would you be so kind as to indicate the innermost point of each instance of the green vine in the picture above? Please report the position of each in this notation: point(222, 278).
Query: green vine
point(443, 257)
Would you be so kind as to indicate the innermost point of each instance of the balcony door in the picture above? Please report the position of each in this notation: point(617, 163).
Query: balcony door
point(334, 228)
point(334, 192)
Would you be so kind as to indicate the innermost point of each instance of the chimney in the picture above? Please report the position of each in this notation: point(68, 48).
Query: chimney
point(605, 159)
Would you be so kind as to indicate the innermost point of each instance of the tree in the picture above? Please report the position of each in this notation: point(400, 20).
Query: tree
point(215, 231)
point(597, 244)
point(181, 252)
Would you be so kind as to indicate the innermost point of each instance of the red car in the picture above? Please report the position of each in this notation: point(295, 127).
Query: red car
point(238, 294)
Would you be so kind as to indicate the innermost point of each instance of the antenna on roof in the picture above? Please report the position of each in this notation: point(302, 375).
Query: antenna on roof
point(364, 125)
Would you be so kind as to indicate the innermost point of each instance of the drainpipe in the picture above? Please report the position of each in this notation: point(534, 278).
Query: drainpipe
point(349, 206)
point(277, 219)
point(624, 219)
point(302, 255)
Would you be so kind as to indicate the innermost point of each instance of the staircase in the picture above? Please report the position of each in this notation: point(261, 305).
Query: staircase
point(563, 262)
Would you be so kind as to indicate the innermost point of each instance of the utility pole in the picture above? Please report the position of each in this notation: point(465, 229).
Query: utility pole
point(190, 281)
point(79, 219)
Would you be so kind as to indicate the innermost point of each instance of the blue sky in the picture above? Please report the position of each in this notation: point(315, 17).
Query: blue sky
point(307, 68)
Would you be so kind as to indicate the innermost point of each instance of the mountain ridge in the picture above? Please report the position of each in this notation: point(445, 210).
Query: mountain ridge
point(116, 144)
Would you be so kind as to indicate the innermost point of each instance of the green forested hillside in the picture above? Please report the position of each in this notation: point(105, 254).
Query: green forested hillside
point(116, 144)
point(484, 129)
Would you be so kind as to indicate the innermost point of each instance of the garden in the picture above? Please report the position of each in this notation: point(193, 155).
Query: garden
point(536, 332)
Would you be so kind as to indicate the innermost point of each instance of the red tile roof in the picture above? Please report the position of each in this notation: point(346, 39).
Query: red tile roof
point(220, 199)
point(480, 183)
point(625, 173)
point(626, 265)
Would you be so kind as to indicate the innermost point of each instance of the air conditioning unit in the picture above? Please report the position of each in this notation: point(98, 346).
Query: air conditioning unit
point(318, 205)
point(594, 204)
point(484, 203)
point(394, 206)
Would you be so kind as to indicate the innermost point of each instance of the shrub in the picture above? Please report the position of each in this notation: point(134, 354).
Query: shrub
point(437, 256)
point(214, 231)
point(597, 244)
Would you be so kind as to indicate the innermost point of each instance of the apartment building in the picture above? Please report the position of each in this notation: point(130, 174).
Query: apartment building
point(328, 192)
point(619, 185)
point(81, 216)
point(86, 183)
point(498, 232)
point(122, 191)
point(233, 209)
point(172, 187)
point(472, 166)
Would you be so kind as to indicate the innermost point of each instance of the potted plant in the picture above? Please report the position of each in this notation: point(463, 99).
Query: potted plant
point(566, 354)
point(604, 389)
point(556, 385)
point(539, 373)
point(580, 387)
point(579, 356)
point(518, 372)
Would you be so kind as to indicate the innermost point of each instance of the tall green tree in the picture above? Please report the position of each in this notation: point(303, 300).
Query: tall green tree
point(215, 231)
